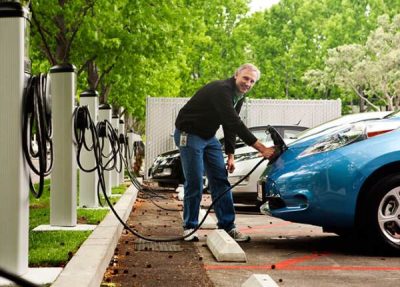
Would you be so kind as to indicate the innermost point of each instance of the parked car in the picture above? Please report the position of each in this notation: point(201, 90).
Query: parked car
point(166, 169)
point(246, 158)
point(345, 179)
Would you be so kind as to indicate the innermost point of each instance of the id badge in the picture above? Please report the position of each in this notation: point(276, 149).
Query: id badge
point(183, 139)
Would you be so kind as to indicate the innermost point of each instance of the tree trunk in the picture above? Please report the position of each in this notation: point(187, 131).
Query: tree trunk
point(362, 105)
point(61, 40)
point(93, 75)
point(104, 92)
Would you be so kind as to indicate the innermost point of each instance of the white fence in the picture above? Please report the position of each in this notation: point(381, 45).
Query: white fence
point(161, 114)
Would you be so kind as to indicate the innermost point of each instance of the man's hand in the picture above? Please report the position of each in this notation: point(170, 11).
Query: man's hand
point(230, 164)
point(266, 152)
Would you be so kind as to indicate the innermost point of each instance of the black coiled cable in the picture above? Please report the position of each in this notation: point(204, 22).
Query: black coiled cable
point(37, 120)
point(82, 124)
point(106, 130)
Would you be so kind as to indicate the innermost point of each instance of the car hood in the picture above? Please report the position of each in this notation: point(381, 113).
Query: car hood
point(371, 129)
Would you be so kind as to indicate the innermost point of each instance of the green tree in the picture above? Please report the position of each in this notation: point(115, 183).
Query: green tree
point(370, 71)
point(295, 36)
point(131, 49)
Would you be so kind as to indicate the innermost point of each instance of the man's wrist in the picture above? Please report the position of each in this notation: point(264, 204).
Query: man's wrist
point(258, 146)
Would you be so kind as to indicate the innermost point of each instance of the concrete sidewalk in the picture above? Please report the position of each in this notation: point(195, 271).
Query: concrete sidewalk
point(88, 265)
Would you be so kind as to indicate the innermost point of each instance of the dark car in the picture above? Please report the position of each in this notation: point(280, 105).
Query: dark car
point(167, 169)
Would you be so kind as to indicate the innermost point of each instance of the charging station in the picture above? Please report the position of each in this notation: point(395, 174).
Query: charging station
point(123, 152)
point(105, 114)
point(88, 180)
point(114, 173)
point(63, 197)
point(131, 151)
point(14, 177)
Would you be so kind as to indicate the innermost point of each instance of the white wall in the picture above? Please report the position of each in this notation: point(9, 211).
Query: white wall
point(161, 114)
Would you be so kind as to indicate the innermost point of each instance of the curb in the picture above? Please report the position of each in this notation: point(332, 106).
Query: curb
point(90, 262)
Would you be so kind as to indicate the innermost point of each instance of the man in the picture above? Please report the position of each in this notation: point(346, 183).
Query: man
point(217, 103)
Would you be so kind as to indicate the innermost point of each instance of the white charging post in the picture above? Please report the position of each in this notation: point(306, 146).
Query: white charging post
point(14, 193)
point(63, 196)
point(114, 173)
point(123, 152)
point(131, 151)
point(88, 180)
point(105, 113)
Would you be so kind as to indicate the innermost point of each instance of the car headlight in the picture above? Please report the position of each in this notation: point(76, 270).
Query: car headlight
point(164, 172)
point(165, 159)
point(342, 137)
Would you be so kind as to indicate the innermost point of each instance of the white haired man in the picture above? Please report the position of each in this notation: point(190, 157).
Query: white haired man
point(217, 103)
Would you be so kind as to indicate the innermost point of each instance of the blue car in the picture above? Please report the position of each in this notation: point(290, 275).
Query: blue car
point(345, 179)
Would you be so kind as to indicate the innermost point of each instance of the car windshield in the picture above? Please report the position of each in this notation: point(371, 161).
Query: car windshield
point(263, 136)
point(259, 134)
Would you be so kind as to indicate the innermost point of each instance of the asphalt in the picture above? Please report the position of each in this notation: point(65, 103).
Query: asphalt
point(300, 255)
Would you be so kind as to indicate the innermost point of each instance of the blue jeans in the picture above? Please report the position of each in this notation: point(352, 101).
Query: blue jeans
point(199, 155)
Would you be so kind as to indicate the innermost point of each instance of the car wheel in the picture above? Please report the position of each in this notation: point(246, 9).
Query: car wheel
point(383, 213)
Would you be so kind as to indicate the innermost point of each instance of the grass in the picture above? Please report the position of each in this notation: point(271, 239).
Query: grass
point(119, 189)
point(55, 248)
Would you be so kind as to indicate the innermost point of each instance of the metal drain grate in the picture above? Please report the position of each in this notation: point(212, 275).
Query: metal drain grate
point(143, 245)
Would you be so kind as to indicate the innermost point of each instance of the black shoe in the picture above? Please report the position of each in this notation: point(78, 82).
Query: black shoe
point(192, 237)
point(238, 236)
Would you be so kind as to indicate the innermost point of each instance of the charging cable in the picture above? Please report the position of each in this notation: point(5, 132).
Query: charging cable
point(136, 233)
point(142, 188)
point(85, 115)
point(16, 279)
point(37, 120)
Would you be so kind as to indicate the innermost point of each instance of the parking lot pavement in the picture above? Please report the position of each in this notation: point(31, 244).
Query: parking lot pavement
point(299, 255)
point(291, 254)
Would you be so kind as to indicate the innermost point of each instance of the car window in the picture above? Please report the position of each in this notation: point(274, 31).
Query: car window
point(259, 134)
point(262, 136)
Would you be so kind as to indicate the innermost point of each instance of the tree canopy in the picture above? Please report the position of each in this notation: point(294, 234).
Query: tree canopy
point(369, 70)
point(131, 49)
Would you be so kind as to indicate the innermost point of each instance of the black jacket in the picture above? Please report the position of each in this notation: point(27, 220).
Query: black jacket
point(211, 107)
